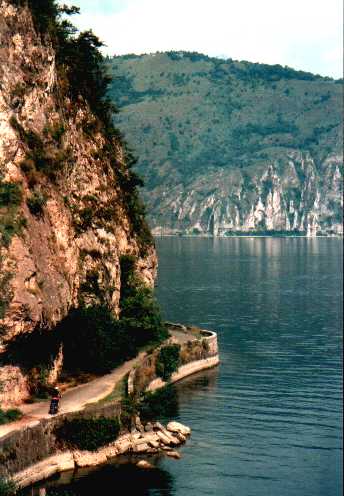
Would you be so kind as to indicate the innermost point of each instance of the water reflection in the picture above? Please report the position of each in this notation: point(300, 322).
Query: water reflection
point(125, 478)
point(268, 420)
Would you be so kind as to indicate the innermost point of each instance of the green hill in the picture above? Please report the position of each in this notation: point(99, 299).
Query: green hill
point(228, 147)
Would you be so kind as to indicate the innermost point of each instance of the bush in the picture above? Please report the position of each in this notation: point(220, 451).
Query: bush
point(89, 434)
point(162, 403)
point(10, 194)
point(36, 203)
point(168, 361)
point(7, 487)
point(140, 313)
point(7, 416)
point(129, 410)
point(94, 341)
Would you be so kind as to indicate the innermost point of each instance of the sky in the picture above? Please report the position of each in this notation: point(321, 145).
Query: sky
point(303, 34)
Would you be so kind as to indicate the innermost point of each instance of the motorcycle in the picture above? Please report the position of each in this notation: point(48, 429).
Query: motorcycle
point(54, 406)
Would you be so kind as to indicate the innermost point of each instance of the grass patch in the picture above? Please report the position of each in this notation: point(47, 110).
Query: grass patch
point(119, 392)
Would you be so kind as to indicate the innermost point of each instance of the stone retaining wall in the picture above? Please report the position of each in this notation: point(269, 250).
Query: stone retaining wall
point(185, 371)
point(25, 447)
point(196, 355)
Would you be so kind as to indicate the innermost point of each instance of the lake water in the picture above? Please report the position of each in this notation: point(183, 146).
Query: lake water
point(268, 420)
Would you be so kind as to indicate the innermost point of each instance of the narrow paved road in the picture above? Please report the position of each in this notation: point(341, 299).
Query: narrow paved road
point(73, 399)
point(77, 398)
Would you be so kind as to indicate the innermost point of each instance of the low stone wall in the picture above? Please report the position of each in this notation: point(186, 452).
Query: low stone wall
point(25, 447)
point(197, 354)
point(151, 439)
point(185, 371)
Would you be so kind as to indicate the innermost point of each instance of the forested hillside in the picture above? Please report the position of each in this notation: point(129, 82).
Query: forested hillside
point(228, 147)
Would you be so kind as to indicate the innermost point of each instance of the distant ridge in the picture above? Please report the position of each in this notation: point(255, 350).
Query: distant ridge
point(232, 146)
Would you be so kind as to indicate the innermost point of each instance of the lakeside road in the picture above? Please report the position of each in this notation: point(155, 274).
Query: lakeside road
point(76, 398)
point(73, 399)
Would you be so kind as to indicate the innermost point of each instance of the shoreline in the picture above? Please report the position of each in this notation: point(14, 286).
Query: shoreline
point(281, 236)
point(48, 462)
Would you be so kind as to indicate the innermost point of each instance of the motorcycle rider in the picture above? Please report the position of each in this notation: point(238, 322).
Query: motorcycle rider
point(55, 400)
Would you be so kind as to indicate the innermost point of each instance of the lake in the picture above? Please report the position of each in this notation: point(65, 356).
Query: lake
point(268, 420)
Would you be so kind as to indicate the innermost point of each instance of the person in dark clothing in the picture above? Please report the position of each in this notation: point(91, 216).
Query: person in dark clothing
point(55, 400)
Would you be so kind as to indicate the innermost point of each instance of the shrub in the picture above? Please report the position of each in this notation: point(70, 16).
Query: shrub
point(89, 434)
point(7, 487)
point(168, 361)
point(36, 203)
point(140, 312)
point(93, 340)
point(129, 409)
point(162, 403)
point(7, 416)
point(10, 194)
point(10, 224)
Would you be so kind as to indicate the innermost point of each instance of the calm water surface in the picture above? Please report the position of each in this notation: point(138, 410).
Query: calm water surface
point(268, 420)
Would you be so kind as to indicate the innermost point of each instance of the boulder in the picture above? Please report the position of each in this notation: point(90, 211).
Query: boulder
point(149, 427)
point(181, 437)
point(89, 458)
point(123, 446)
point(111, 451)
point(138, 424)
point(173, 454)
point(154, 444)
point(141, 447)
point(164, 439)
point(158, 427)
point(177, 427)
point(144, 464)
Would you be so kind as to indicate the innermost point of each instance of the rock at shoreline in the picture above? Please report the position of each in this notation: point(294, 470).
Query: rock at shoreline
point(144, 464)
point(89, 459)
point(179, 428)
point(174, 454)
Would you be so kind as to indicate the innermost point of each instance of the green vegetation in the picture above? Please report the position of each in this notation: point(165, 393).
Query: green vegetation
point(36, 203)
point(5, 278)
point(11, 222)
point(193, 119)
point(7, 487)
point(168, 361)
point(160, 404)
point(10, 194)
point(7, 416)
point(88, 434)
point(41, 157)
point(130, 407)
point(94, 341)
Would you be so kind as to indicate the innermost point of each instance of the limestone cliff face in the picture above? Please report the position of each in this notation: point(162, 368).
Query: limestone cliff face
point(290, 195)
point(66, 234)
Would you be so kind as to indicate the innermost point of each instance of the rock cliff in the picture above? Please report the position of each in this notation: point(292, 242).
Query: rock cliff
point(65, 218)
point(230, 147)
point(288, 196)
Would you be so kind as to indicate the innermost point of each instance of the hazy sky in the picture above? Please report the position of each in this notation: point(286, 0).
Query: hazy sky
point(304, 34)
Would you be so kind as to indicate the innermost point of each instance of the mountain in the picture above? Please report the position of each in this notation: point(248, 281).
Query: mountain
point(228, 147)
point(69, 208)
